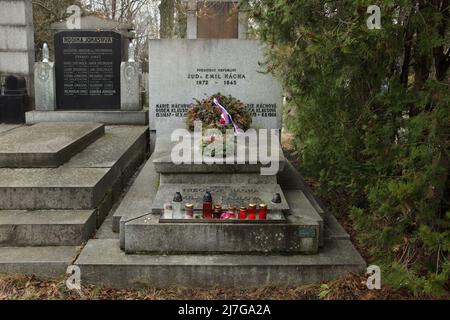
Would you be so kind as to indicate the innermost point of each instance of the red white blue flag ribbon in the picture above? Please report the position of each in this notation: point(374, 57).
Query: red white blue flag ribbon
point(225, 116)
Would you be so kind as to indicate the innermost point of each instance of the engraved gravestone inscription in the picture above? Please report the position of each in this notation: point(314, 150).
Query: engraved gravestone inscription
point(87, 67)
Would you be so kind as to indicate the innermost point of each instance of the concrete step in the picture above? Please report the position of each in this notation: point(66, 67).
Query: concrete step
point(46, 145)
point(299, 234)
point(103, 263)
point(47, 262)
point(59, 188)
point(138, 118)
point(8, 127)
point(139, 198)
point(89, 180)
point(122, 149)
point(246, 164)
point(46, 228)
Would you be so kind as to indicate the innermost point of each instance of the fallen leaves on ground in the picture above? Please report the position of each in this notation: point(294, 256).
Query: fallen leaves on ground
point(351, 287)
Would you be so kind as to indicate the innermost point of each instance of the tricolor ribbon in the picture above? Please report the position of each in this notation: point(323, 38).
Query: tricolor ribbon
point(225, 116)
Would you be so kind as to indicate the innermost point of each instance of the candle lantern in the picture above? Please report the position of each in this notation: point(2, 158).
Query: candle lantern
point(252, 212)
point(217, 212)
point(243, 213)
point(207, 206)
point(189, 211)
point(263, 211)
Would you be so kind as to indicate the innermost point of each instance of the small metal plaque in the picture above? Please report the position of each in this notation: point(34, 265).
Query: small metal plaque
point(307, 233)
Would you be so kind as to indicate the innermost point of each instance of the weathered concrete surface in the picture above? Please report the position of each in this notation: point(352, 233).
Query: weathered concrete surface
point(164, 164)
point(7, 127)
point(122, 149)
point(302, 207)
point(130, 95)
point(102, 263)
point(46, 228)
point(46, 144)
point(138, 118)
point(147, 235)
point(207, 178)
point(105, 231)
point(60, 188)
point(48, 262)
point(45, 86)
point(117, 143)
point(291, 179)
point(17, 40)
point(139, 199)
point(84, 182)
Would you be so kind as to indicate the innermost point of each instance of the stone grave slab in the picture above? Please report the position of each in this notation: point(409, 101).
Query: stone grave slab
point(164, 163)
point(46, 145)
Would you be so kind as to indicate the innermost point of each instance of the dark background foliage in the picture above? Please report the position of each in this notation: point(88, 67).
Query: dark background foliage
point(369, 110)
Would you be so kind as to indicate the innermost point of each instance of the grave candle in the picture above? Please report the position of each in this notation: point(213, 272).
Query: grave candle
point(252, 212)
point(217, 211)
point(176, 204)
point(207, 206)
point(263, 211)
point(243, 213)
point(168, 211)
point(189, 211)
point(232, 213)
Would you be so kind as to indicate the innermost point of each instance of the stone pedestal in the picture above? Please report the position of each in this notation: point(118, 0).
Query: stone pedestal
point(17, 40)
point(129, 87)
point(44, 79)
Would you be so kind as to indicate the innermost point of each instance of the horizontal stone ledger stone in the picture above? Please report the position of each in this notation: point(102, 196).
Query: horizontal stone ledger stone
point(46, 144)
point(46, 228)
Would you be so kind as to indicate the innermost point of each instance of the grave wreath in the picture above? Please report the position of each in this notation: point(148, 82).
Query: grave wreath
point(219, 112)
point(222, 113)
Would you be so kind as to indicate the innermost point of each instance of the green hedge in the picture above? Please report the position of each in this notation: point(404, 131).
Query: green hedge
point(369, 110)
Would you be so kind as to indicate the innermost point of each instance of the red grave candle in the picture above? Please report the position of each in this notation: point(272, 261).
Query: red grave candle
point(263, 212)
point(207, 206)
point(252, 212)
point(242, 213)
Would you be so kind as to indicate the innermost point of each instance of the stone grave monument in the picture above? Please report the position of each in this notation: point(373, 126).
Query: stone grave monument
point(94, 76)
point(157, 245)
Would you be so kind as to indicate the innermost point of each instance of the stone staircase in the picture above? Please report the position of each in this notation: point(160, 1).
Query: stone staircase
point(58, 182)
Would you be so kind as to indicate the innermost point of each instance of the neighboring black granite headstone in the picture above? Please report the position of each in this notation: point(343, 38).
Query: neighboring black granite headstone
point(87, 67)
point(14, 100)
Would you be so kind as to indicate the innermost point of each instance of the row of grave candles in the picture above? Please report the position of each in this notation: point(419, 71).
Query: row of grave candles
point(216, 212)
